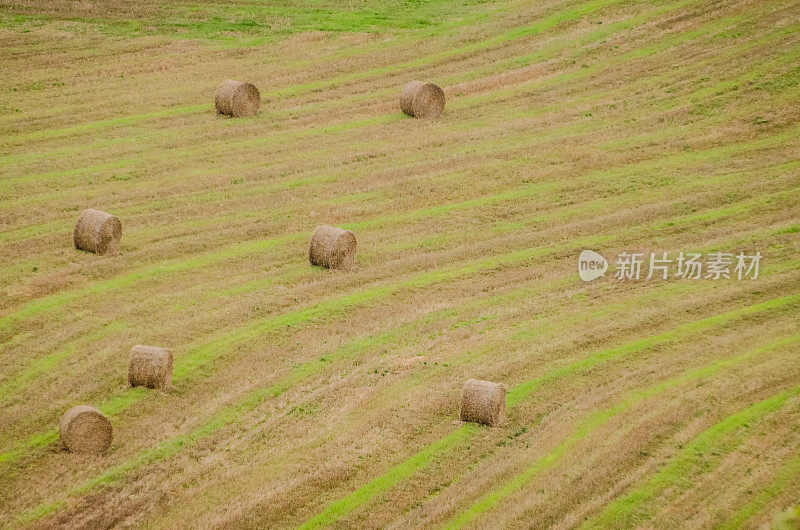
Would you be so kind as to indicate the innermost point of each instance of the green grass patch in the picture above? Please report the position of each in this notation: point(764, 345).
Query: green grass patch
point(202, 355)
point(789, 473)
point(703, 444)
point(535, 28)
point(702, 455)
point(51, 360)
point(394, 475)
point(247, 248)
point(258, 23)
point(519, 392)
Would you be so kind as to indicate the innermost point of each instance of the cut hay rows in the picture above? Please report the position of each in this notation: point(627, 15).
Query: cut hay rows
point(567, 126)
point(358, 297)
point(495, 497)
point(521, 392)
point(201, 355)
point(230, 414)
point(499, 40)
point(228, 253)
point(724, 436)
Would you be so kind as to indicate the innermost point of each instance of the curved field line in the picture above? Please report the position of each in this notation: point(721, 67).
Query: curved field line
point(448, 29)
point(242, 249)
point(520, 392)
point(203, 355)
point(535, 28)
point(789, 473)
point(661, 45)
point(233, 412)
point(431, 456)
point(685, 457)
point(419, 460)
point(211, 348)
point(28, 229)
point(631, 509)
point(51, 359)
point(11, 386)
point(681, 37)
point(539, 55)
point(121, 402)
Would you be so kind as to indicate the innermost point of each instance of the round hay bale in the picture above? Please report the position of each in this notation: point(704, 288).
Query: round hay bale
point(333, 248)
point(150, 366)
point(422, 100)
point(483, 402)
point(84, 429)
point(237, 99)
point(97, 232)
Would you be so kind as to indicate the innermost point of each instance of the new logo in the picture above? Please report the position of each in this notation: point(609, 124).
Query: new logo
point(591, 265)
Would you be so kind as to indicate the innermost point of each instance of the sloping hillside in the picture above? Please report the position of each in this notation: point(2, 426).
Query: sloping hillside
point(304, 396)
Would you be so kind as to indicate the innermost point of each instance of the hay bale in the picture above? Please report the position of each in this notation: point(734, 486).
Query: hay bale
point(237, 99)
point(483, 402)
point(150, 366)
point(422, 100)
point(97, 232)
point(84, 429)
point(333, 248)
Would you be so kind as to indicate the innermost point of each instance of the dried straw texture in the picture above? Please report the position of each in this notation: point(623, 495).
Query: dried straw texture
point(237, 99)
point(333, 248)
point(84, 429)
point(97, 232)
point(483, 402)
point(150, 366)
point(787, 520)
point(422, 100)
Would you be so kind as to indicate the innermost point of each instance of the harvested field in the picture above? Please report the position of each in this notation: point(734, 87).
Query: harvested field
point(301, 396)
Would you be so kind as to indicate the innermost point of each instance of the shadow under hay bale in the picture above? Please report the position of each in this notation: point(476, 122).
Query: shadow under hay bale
point(97, 232)
point(333, 248)
point(483, 402)
point(84, 429)
point(237, 99)
point(422, 100)
point(150, 366)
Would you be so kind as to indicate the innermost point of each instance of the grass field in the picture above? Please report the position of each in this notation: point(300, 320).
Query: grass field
point(304, 397)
